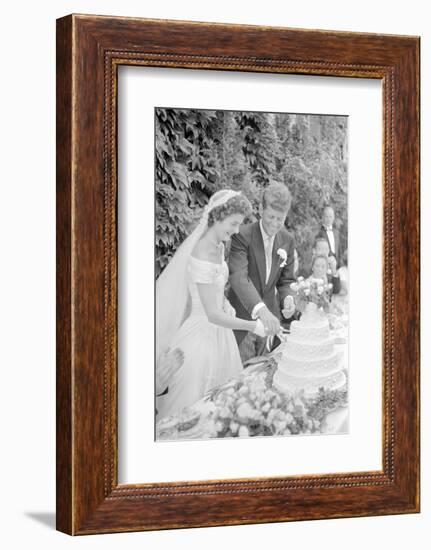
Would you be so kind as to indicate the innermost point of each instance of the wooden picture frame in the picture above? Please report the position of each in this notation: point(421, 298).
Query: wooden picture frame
point(89, 51)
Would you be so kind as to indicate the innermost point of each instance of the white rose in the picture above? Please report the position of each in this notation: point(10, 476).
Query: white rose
point(266, 407)
point(245, 411)
point(283, 255)
point(234, 427)
point(225, 412)
point(289, 418)
point(243, 431)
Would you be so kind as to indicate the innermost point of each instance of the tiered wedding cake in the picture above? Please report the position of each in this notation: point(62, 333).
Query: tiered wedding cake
point(309, 360)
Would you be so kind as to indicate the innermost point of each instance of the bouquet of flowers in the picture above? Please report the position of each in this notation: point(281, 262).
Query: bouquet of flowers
point(251, 408)
point(311, 290)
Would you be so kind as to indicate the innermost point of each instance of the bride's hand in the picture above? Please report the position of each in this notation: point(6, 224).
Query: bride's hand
point(259, 329)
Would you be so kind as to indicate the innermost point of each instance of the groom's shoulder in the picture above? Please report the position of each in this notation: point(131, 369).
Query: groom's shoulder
point(287, 235)
point(246, 229)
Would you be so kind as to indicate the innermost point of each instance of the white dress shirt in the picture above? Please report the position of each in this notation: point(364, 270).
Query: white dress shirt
point(331, 239)
point(268, 244)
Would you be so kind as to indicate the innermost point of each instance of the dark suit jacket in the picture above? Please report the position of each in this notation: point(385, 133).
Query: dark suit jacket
point(322, 233)
point(247, 272)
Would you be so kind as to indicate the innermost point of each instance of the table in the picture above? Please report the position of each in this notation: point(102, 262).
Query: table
point(251, 406)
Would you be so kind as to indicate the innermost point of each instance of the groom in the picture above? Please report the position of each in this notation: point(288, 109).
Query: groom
point(261, 262)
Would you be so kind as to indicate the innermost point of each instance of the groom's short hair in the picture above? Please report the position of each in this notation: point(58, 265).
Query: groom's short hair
point(277, 196)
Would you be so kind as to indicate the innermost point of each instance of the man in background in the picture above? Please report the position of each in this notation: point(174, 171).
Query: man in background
point(328, 232)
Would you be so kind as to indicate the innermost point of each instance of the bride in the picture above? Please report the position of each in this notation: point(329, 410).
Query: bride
point(192, 312)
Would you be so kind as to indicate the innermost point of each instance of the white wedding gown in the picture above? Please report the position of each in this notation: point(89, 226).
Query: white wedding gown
point(211, 355)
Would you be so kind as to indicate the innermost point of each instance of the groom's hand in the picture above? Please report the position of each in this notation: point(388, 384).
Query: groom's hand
point(270, 321)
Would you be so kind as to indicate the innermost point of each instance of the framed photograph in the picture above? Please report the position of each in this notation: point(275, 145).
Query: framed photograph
point(237, 274)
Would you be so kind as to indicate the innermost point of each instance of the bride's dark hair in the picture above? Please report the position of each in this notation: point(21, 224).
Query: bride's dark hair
point(236, 205)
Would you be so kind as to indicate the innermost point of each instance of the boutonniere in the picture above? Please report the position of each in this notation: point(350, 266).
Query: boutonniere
point(283, 256)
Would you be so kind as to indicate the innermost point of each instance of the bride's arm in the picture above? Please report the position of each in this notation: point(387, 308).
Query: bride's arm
point(208, 295)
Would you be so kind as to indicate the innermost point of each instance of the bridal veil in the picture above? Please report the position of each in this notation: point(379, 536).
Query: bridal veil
point(172, 284)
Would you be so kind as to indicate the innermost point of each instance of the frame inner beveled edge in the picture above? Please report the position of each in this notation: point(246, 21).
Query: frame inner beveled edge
point(153, 490)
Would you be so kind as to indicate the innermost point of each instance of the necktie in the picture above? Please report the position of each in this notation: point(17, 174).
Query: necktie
point(268, 256)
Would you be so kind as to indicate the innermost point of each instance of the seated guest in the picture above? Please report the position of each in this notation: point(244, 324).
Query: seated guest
point(319, 270)
point(321, 249)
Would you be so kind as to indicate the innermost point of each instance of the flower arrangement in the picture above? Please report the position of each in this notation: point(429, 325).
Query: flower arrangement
point(252, 408)
point(311, 290)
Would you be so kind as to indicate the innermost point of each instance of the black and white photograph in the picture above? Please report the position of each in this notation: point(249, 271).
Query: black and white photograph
point(251, 264)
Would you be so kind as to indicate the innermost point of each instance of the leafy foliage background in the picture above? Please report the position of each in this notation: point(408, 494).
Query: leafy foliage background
point(201, 151)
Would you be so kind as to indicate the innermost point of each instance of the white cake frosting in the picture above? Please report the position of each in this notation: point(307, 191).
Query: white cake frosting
point(309, 359)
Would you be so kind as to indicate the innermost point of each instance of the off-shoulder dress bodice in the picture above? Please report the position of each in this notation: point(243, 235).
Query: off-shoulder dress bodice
point(205, 272)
